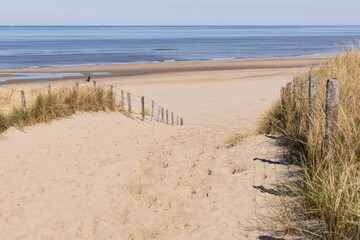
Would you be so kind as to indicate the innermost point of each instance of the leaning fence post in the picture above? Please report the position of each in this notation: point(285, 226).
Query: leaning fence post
point(23, 102)
point(162, 114)
point(143, 108)
point(172, 118)
point(129, 102)
point(94, 85)
point(152, 109)
point(167, 117)
point(313, 89)
point(331, 110)
point(181, 121)
point(177, 120)
point(49, 89)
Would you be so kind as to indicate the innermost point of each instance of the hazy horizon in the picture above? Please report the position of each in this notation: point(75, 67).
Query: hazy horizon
point(174, 25)
point(174, 13)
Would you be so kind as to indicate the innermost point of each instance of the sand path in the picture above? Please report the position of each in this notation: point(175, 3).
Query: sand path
point(116, 178)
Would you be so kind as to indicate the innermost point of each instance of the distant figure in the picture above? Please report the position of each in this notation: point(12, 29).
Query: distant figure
point(88, 79)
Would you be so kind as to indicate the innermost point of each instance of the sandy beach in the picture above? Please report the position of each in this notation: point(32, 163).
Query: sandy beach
point(106, 176)
point(230, 93)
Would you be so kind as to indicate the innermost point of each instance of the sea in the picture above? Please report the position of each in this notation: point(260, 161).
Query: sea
point(37, 46)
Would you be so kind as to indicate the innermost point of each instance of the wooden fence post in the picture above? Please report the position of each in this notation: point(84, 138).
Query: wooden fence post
point(162, 114)
point(143, 108)
point(23, 102)
point(111, 89)
point(129, 102)
point(152, 109)
point(158, 115)
point(331, 110)
point(167, 117)
point(288, 91)
point(77, 93)
point(172, 118)
point(122, 101)
point(295, 87)
point(181, 121)
point(49, 89)
point(313, 89)
point(94, 85)
point(282, 95)
point(177, 120)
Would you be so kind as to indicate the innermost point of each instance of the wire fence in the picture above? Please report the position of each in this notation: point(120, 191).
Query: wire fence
point(140, 107)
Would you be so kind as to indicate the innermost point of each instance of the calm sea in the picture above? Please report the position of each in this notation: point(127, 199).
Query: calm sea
point(64, 45)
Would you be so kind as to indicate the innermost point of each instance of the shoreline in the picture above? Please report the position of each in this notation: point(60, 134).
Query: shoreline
point(161, 61)
point(148, 68)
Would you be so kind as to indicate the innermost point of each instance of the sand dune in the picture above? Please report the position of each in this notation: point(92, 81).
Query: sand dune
point(105, 176)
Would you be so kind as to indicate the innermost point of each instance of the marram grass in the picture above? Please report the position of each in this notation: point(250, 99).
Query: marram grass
point(329, 189)
point(43, 107)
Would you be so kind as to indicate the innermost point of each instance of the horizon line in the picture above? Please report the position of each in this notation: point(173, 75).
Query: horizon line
point(174, 25)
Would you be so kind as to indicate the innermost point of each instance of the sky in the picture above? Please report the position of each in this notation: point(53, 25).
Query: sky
point(180, 12)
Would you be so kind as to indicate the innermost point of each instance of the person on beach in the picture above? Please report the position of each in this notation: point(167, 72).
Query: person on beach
point(88, 79)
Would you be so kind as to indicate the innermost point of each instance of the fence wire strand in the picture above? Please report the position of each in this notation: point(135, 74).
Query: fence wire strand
point(346, 137)
point(349, 105)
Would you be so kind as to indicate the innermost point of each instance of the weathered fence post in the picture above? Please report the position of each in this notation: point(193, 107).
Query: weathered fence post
point(158, 115)
point(331, 110)
point(122, 101)
point(177, 120)
point(23, 102)
point(111, 89)
point(152, 109)
point(288, 91)
point(313, 81)
point(129, 102)
point(172, 118)
point(282, 95)
point(295, 87)
point(77, 93)
point(49, 89)
point(143, 108)
point(162, 114)
point(167, 117)
point(94, 86)
point(181, 121)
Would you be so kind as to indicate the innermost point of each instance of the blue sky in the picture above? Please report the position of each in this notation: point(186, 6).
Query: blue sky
point(180, 12)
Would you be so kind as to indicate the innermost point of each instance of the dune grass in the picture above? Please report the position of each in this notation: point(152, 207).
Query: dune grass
point(329, 189)
point(237, 138)
point(43, 107)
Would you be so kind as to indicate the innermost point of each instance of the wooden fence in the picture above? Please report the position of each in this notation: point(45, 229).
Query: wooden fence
point(295, 93)
point(136, 105)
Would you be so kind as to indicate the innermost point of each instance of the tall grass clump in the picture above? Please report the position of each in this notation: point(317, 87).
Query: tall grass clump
point(43, 107)
point(329, 188)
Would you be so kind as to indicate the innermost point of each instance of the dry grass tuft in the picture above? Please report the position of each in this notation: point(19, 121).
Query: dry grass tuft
point(236, 139)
